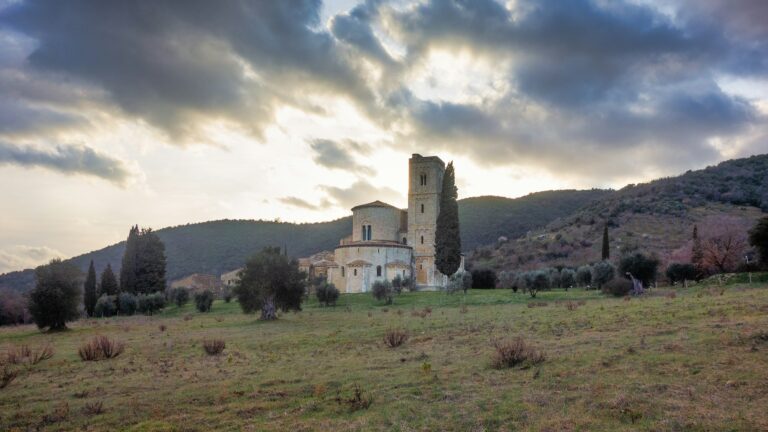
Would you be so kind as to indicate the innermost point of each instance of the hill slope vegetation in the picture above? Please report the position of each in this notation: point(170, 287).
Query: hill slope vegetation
point(219, 246)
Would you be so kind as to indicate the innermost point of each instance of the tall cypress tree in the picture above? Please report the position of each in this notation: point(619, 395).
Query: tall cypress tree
point(606, 244)
point(89, 290)
point(130, 261)
point(150, 263)
point(447, 235)
point(697, 254)
point(108, 282)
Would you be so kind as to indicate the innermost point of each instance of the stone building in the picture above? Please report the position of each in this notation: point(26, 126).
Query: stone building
point(199, 282)
point(387, 241)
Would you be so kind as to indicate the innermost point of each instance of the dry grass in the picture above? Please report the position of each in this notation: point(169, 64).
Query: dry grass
point(213, 346)
point(393, 338)
point(100, 348)
point(93, 408)
point(515, 352)
point(7, 375)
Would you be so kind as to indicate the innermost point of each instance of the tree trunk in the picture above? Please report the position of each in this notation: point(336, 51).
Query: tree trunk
point(268, 311)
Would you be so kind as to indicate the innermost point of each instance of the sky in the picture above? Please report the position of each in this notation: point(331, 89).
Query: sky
point(161, 113)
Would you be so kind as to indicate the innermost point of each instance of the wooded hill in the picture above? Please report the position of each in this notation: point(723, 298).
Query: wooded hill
point(219, 246)
point(655, 217)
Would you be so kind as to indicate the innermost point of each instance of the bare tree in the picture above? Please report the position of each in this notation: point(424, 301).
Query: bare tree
point(724, 244)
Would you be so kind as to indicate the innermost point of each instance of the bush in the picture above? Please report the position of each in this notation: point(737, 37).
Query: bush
point(642, 267)
point(681, 272)
point(382, 290)
point(602, 273)
point(327, 294)
point(537, 281)
point(100, 348)
point(57, 295)
point(204, 301)
point(455, 283)
point(179, 296)
point(507, 280)
point(567, 278)
point(213, 346)
point(106, 306)
point(7, 375)
point(395, 337)
point(513, 353)
point(584, 276)
point(148, 304)
point(397, 284)
point(127, 303)
point(618, 287)
point(228, 295)
point(483, 279)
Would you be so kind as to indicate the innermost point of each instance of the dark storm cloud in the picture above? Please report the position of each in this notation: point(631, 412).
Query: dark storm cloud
point(340, 155)
point(67, 159)
point(355, 29)
point(171, 63)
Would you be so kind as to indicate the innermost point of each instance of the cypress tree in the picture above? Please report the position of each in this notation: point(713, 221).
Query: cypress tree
point(150, 263)
point(447, 235)
point(130, 261)
point(606, 244)
point(89, 290)
point(697, 254)
point(108, 282)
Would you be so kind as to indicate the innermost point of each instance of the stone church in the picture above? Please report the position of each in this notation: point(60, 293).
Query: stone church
point(387, 241)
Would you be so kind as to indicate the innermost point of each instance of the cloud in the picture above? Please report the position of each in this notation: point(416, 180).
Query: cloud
point(359, 192)
point(301, 203)
point(174, 66)
point(67, 159)
point(340, 155)
point(22, 257)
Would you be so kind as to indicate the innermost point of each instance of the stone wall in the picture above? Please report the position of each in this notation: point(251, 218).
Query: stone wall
point(357, 265)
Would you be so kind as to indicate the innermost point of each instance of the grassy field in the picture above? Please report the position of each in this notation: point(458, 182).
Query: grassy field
point(694, 361)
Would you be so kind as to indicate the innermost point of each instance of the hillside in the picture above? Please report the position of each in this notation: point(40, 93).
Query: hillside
point(219, 246)
point(657, 217)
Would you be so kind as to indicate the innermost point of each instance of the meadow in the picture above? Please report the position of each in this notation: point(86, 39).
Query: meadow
point(687, 359)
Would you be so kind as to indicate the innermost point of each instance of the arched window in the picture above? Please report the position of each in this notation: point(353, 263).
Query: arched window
point(378, 271)
point(403, 272)
point(370, 237)
point(355, 271)
point(405, 241)
point(422, 208)
point(423, 180)
point(422, 239)
point(342, 271)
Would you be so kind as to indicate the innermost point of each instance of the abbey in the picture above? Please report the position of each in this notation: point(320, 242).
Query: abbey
point(387, 241)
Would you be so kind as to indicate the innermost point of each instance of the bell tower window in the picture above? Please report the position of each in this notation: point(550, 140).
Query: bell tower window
point(422, 208)
point(422, 180)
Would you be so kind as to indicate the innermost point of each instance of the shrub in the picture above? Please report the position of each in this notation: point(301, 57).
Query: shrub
point(397, 284)
point(483, 279)
point(228, 295)
point(93, 408)
point(538, 280)
point(100, 348)
point(213, 346)
point(179, 296)
point(7, 375)
point(507, 279)
point(127, 303)
point(681, 272)
point(393, 338)
point(382, 290)
point(358, 401)
point(455, 284)
point(567, 278)
point(584, 276)
point(327, 294)
point(150, 303)
point(618, 287)
point(513, 353)
point(106, 306)
point(57, 295)
point(38, 355)
point(602, 273)
point(204, 301)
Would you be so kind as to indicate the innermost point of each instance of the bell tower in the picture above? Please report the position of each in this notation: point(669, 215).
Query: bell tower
point(424, 188)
